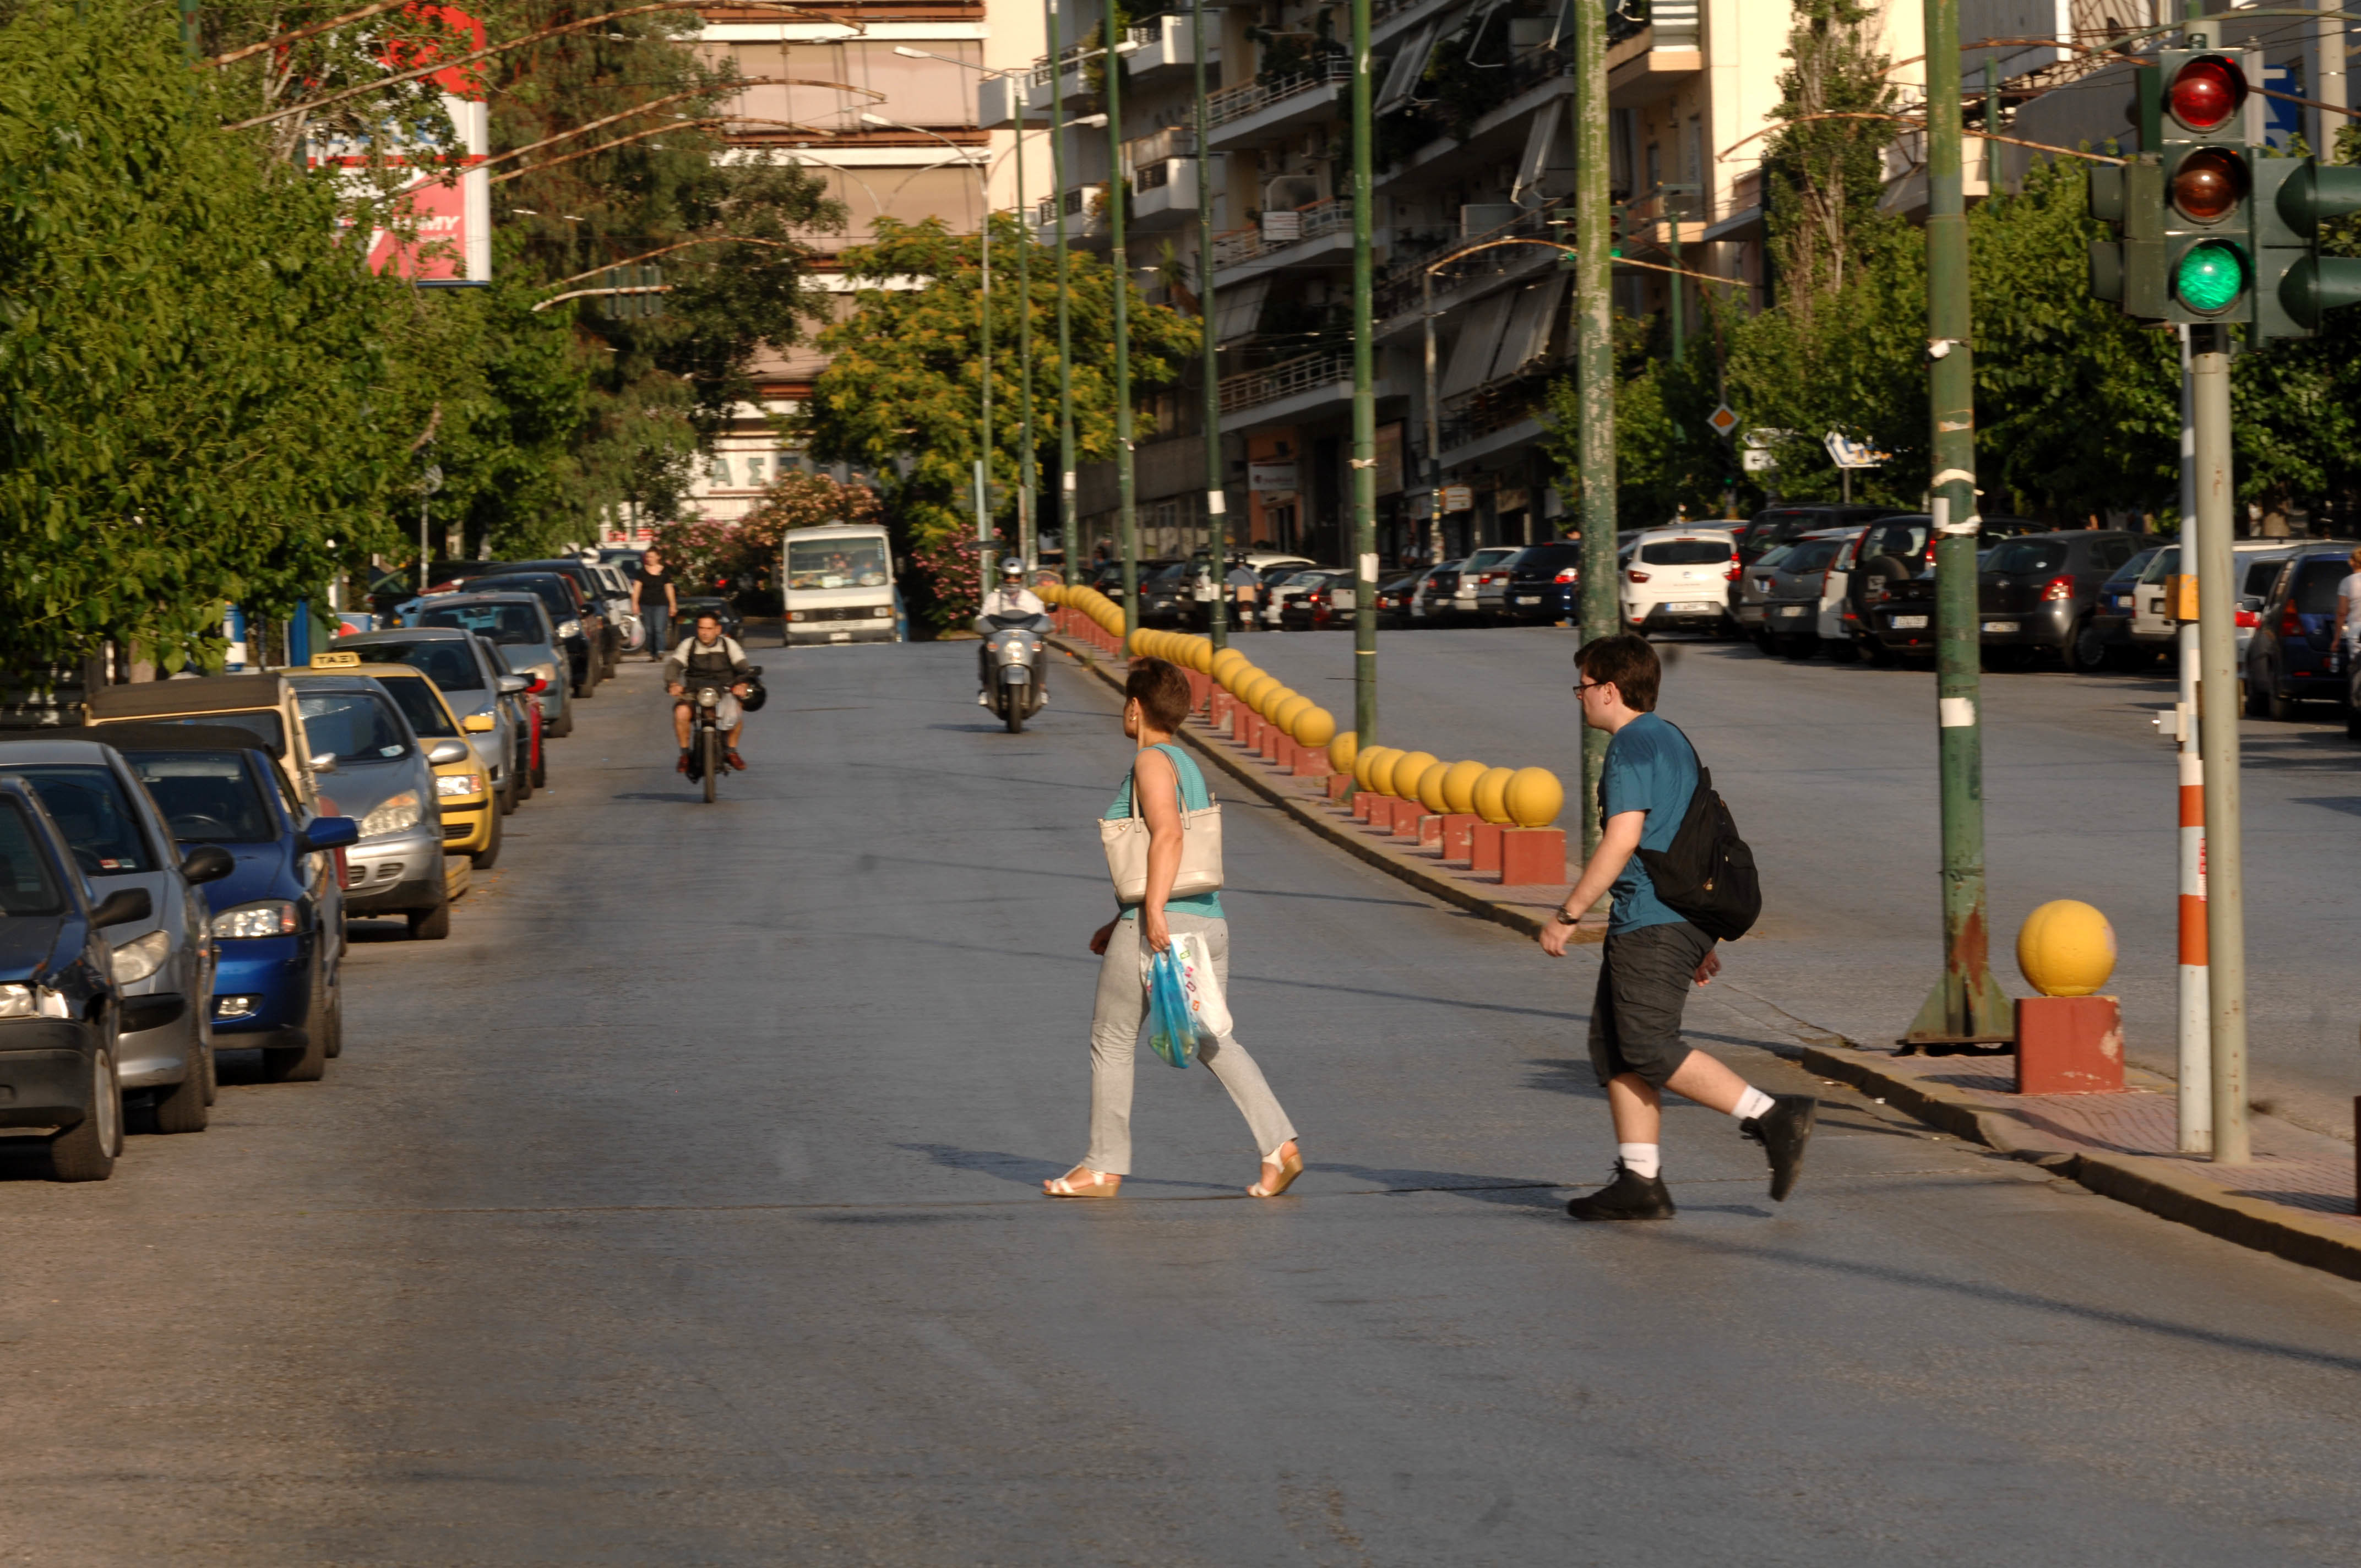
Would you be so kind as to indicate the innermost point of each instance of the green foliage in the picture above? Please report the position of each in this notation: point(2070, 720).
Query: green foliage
point(1823, 174)
point(712, 555)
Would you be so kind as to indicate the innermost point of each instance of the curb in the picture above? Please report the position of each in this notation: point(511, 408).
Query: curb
point(1426, 882)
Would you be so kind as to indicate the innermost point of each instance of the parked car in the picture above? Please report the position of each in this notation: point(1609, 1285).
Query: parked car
point(471, 819)
point(518, 625)
point(59, 1001)
point(474, 685)
point(1482, 595)
point(262, 704)
point(162, 966)
point(1395, 598)
point(2259, 562)
point(1328, 603)
point(378, 773)
point(1438, 586)
point(1292, 584)
point(1545, 584)
point(278, 915)
point(1750, 602)
point(603, 607)
point(1785, 524)
point(2289, 660)
point(1799, 596)
point(567, 614)
point(1678, 579)
point(2034, 593)
point(1167, 591)
point(2110, 618)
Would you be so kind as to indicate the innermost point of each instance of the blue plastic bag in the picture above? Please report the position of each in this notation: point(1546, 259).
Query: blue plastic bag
point(1171, 1026)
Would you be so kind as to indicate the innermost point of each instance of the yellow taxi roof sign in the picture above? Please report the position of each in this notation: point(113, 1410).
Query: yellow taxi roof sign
point(338, 659)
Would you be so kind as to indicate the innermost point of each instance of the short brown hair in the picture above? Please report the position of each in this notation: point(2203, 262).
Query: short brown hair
point(1162, 691)
point(1627, 661)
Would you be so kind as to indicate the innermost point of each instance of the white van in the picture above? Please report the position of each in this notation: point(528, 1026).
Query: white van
point(837, 584)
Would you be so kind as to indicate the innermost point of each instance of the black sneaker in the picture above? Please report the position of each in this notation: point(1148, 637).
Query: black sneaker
point(1785, 1132)
point(1627, 1196)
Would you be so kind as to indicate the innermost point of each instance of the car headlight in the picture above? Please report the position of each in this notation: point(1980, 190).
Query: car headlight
point(264, 918)
point(570, 628)
point(141, 957)
point(31, 1001)
point(459, 783)
point(397, 814)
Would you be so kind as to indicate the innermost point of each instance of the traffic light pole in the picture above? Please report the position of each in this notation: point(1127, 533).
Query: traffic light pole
point(1594, 372)
point(1365, 399)
point(1217, 612)
point(2217, 736)
point(1966, 1007)
point(1119, 277)
point(1069, 531)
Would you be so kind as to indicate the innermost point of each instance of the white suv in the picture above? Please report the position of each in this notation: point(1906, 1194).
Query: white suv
point(1679, 579)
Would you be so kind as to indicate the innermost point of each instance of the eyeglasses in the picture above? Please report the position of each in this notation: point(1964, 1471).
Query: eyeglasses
point(1582, 686)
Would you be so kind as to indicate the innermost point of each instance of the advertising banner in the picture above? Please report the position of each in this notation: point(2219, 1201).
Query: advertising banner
point(439, 230)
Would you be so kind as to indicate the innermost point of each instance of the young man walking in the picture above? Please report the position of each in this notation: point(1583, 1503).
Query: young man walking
point(1651, 954)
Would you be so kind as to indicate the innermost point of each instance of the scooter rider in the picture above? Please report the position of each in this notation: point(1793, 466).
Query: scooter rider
point(700, 659)
point(1010, 604)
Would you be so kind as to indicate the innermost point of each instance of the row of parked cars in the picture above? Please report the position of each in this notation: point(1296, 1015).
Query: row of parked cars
point(177, 873)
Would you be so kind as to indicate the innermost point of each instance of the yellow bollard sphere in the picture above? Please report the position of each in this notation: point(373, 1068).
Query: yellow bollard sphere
point(1314, 726)
point(1366, 766)
point(1342, 749)
point(1286, 713)
point(2066, 948)
point(1401, 779)
point(1492, 794)
point(1429, 788)
point(1273, 695)
point(1226, 665)
point(1250, 690)
point(1459, 787)
point(1534, 797)
point(1201, 655)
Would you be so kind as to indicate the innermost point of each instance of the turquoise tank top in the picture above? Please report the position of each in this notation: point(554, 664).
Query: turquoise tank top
point(1194, 796)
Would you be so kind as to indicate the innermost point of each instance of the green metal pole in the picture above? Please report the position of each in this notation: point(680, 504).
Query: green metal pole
point(985, 530)
point(1593, 371)
point(1126, 514)
point(1027, 468)
point(1067, 526)
point(191, 34)
point(1217, 615)
point(1680, 288)
point(1364, 399)
point(1966, 1005)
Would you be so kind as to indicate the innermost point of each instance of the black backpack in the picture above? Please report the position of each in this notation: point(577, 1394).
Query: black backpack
point(1707, 876)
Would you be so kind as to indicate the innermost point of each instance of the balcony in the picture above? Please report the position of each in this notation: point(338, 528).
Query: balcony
point(1401, 293)
point(1165, 45)
point(1650, 57)
point(1258, 112)
point(1164, 193)
point(1314, 378)
point(1273, 242)
point(1086, 216)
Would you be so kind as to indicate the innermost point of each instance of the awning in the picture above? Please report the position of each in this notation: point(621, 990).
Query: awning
point(1528, 334)
point(1535, 162)
point(1238, 309)
point(1478, 342)
point(1410, 64)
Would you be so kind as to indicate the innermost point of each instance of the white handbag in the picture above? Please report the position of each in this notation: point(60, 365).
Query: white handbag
point(1124, 839)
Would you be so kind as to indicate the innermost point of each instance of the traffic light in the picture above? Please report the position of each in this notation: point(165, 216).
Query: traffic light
point(2295, 283)
point(2208, 135)
point(2129, 269)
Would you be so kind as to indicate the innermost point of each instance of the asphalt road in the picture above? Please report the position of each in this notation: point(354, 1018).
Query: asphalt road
point(681, 1209)
point(1830, 771)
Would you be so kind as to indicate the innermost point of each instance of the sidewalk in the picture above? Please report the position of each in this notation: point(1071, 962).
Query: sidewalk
point(2297, 1200)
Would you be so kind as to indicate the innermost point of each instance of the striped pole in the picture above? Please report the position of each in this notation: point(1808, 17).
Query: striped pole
point(2196, 1086)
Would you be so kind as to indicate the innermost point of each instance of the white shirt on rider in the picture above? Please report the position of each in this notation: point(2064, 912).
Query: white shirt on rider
point(1019, 601)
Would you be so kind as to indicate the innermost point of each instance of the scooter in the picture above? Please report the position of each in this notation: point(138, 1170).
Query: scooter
point(1012, 655)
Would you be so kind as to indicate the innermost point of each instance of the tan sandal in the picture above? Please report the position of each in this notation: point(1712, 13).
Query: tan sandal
point(1067, 1187)
point(1289, 1169)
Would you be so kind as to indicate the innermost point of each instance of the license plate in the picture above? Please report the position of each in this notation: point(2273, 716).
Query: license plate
point(1793, 609)
point(1694, 607)
point(1529, 598)
point(2000, 626)
point(1909, 623)
point(839, 637)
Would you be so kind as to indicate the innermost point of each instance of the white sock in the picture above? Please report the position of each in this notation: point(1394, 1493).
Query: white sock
point(1752, 1103)
point(1640, 1159)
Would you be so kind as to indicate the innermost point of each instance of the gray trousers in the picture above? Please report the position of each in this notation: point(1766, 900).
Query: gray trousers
point(1116, 1020)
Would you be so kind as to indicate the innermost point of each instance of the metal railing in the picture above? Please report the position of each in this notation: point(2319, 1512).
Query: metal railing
point(1274, 233)
point(1255, 388)
point(1253, 98)
point(1400, 287)
point(1483, 412)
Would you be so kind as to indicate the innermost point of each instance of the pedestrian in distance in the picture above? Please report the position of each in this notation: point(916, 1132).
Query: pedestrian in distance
point(654, 600)
point(2347, 637)
point(1651, 954)
point(1163, 783)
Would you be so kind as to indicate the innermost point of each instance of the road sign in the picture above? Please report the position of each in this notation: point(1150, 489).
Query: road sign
point(1847, 452)
point(1458, 497)
point(1724, 420)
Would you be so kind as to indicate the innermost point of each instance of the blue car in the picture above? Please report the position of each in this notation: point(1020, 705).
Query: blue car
point(279, 917)
point(2288, 660)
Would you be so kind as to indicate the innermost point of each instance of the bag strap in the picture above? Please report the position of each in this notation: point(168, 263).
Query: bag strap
point(1179, 795)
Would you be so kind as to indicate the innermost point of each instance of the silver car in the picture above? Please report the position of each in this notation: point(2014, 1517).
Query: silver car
point(1483, 591)
point(469, 675)
point(518, 625)
point(374, 769)
point(163, 965)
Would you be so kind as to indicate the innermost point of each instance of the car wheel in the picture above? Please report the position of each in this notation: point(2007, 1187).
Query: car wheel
point(2257, 703)
point(429, 924)
point(488, 857)
point(87, 1151)
point(336, 1047)
point(558, 730)
point(212, 1071)
point(582, 687)
point(521, 777)
point(2352, 724)
point(1765, 642)
point(2085, 651)
point(181, 1108)
point(1799, 648)
point(1844, 650)
point(306, 1063)
point(2279, 705)
point(507, 795)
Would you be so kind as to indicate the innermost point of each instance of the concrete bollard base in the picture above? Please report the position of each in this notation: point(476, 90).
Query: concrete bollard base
point(1484, 847)
point(1312, 762)
point(1531, 855)
point(1365, 804)
point(1220, 714)
point(1458, 828)
point(1430, 830)
point(1406, 816)
point(2069, 1045)
point(1338, 784)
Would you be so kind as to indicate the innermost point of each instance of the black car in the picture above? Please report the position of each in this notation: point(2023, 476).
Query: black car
point(563, 598)
point(58, 1018)
point(1894, 549)
point(605, 634)
point(1436, 593)
point(2288, 660)
point(2110, 618)
point(1394, 597)
point(1545, 584)
point(1168, 592)
point(1780, 525)
point(2034, 593)
point(1324, 606)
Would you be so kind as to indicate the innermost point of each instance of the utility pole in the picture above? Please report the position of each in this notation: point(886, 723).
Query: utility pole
point(1365, 399)
point(2195, 1085)
point(2217, 737)
point(1217, 613)
point(1126, 516)
point(1027, 467)
point(1966, 1007)
point(2328, 45)
point(1066, 523)
point(1593, 371)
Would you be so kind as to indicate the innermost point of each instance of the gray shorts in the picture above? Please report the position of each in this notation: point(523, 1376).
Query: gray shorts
point(726, 712)
point(1644, 982)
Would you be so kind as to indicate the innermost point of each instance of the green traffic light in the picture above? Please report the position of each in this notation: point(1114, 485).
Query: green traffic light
point(2210, 277)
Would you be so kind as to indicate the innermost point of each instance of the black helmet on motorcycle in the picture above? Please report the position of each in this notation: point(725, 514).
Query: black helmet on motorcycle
point(756, 696)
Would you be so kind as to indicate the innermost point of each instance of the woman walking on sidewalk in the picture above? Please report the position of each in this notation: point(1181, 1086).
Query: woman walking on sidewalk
point(1164, 782)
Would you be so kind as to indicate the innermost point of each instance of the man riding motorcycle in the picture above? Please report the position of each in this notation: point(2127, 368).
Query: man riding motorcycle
point(703, 660)
point(1010, 604)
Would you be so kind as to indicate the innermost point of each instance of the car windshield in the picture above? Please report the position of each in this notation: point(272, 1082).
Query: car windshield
point(2165, 562)
point(2129, 572)
point(428, 718)
point(1492, 557)
point(450, 664)
point(87, 803)
point(207, 798)
point(2315, 594)
point(500, 622)
point(264, 722)
point(2020, 556)
point(1904, 539)
point(351, 726)
point(2263, 576)
point(836, 564)
point(1549, 557)
point(1811, 556)
point(25, 885)
point(548, 590)
point(1775, 556)
point(1685, 552)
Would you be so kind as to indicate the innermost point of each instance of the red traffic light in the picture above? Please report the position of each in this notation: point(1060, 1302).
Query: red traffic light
point(2209, 185)
point(2206, 92)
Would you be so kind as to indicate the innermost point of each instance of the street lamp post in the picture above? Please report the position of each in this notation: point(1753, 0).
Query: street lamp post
point(1066, 522)
point(1119, 266)
point(1217, 612)
point(1364, 401)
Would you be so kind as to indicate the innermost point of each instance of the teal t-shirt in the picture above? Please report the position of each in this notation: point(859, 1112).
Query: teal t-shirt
point(1651, 767)
point(1194, 796)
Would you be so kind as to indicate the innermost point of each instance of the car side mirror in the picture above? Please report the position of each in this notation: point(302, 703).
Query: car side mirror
point(331, 832)
point(514, 685)
point(445, 752)
point(207, 862)
point(325, 762)
point(2250, 602)
point(122, 906)
point(477, 723)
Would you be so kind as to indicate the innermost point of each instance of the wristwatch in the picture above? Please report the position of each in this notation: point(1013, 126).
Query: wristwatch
point(1563, 918)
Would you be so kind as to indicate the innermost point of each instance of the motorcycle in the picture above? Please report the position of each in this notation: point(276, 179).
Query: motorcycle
point(708, 749)
point(1012, 662)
